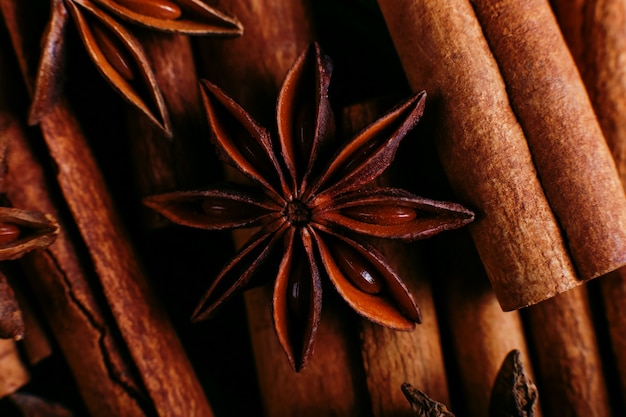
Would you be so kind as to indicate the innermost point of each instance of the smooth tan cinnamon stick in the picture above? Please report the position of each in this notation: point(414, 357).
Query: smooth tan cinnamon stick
point(483, 148)
point(596, 34)
point(152, 343)
point(482, 334)
point(568, 366)
point(568, 148)
point(13, 373)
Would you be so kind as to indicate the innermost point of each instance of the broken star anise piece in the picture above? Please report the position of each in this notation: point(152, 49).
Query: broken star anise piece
point(117, 53)
point(311, 209)
point(21, 231)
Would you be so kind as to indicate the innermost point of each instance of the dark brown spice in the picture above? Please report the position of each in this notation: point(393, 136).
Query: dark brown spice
point(422, 405)
point(117, 53)
point(301, 209)
point(21, 231)
point(513, 394)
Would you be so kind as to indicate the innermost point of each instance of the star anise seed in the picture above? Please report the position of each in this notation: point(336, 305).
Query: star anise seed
point(116, 52)
point(311, 209)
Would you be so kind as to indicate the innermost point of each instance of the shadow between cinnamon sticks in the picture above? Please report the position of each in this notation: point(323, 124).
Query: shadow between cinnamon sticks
point(483, 148)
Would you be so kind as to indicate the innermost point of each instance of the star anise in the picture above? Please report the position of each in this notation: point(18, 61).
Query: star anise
point(117, 53)
point(21, 231)
point(311, 209)
point(422, 405)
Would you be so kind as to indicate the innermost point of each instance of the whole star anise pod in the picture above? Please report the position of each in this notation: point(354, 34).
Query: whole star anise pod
point(21, 231)
point(311, 208)
point(117, 53)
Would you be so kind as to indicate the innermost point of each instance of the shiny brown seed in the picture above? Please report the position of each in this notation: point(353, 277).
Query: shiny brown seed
point(299, 292)
point(159, 9)
point(111, 48)
point(358, 270)
point(9, 233)
point(388, 215)
point(225, 209)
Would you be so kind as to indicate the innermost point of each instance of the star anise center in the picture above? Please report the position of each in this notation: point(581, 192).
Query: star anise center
point(297, 213)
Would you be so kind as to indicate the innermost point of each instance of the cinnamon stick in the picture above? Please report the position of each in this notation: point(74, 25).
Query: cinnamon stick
point(568, 366)
point(72, 306)
point(574, 163)
point(481, 333)
point(596, 35)
point(167, 376)
point(483, 148)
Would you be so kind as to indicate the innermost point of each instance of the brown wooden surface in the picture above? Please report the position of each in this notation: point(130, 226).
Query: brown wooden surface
point(483, 148)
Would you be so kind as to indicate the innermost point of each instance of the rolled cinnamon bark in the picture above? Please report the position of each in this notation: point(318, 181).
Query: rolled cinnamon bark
point(481, 333)
point(157, 355)
point(569, 371)
point(596, 34)
point(574, 163)
point(483, 148)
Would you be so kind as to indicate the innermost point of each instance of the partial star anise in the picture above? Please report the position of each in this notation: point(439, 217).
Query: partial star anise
point(311, 208)
point(21, 231)
point(117, 53)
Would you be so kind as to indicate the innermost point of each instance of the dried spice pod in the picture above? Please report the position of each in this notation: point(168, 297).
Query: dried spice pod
point(192, 17)
point(294, 203)
point(116, 52)
point(331, 383)
point(422, 405)
point(513, 394)
point(120, 58)
point(483, 148)
point(22, 231)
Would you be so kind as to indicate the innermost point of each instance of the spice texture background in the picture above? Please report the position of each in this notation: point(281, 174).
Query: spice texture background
point(524, 124)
